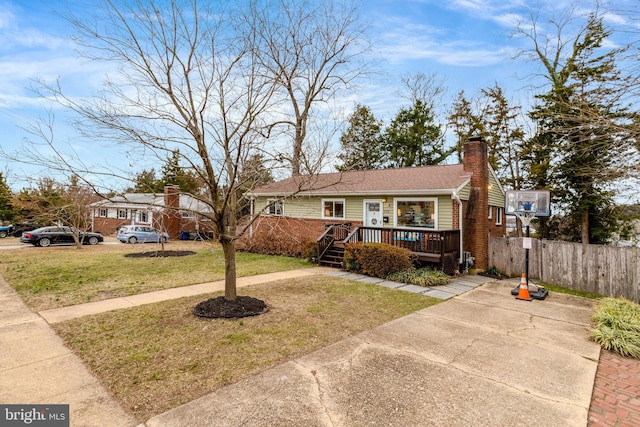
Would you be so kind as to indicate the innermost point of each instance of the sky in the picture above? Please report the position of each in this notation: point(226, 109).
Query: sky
point(466, 44)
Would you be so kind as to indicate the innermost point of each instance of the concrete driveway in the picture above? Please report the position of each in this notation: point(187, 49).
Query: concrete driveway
point(481, 358)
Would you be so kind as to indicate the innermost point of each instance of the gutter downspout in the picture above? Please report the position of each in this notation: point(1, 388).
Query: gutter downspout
point(455, 197)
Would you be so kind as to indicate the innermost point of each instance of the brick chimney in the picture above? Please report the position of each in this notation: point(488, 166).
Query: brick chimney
point(171, 215)
point(476, 223)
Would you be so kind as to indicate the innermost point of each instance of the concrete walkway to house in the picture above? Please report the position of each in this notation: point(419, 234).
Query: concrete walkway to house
point(481, 358)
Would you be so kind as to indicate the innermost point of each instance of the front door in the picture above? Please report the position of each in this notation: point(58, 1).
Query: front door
point(372, 218)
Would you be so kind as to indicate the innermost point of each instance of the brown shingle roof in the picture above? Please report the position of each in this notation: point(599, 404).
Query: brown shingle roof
point(414, 180)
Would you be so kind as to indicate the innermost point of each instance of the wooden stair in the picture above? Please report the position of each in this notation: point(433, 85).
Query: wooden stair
point(334, 257)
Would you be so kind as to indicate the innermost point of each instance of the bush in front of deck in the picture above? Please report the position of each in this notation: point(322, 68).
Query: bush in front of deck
point(376, 259)
point(420, 277)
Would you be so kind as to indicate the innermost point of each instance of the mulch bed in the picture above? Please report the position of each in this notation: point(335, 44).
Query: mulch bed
point(220, 307)
point(493, 275)
point(159, 254)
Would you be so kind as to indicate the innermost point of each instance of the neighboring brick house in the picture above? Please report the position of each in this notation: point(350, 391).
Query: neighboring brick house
point(171, 212)
point(419, 201)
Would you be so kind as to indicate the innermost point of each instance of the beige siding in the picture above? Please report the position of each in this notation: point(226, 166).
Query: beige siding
point(354, 208)
point(445, 213)
point(496, 198)
point(464, 192)
point(311, 207)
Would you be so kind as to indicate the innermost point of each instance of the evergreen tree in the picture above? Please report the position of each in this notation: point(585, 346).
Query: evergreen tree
point(361, 141)
point(504, 136)
point(174, 174)
point(465, 121)
point(147, 182)
point(414, 139)
point(586, 134)
point(7, 211)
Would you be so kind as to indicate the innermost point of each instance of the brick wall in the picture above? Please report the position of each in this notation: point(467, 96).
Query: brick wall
point(171, 214)
point(497, 230)
point(476, 209)
point(285, 235)
point(456, 215)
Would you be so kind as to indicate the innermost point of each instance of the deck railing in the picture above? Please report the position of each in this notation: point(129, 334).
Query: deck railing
point(422, 241)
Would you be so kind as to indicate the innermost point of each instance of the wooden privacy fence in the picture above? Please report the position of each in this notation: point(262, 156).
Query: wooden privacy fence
point(605, 270)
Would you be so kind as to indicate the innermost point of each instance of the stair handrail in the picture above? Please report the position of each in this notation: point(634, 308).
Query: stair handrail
point(353, 237)
point(325, 241)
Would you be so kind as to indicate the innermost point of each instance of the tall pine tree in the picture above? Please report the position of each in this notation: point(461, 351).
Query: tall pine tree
point(360, 144)
point(413, 138)
point(586, 133)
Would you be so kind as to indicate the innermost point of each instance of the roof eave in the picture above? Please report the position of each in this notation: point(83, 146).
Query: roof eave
point(419, 192)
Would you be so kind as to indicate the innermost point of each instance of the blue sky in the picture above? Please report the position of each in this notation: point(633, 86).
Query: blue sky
point(465, 43)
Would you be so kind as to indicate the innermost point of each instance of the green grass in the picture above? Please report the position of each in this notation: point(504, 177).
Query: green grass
point(561, 290)
point(158, 356)
point(54, 277)
point(617, 326)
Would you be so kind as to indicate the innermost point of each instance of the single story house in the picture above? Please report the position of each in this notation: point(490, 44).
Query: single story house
point(171, 212)
point(443, 213)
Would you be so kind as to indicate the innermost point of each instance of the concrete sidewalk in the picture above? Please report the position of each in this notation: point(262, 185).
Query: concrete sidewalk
point(481, 358)
point(37, 368)
point(62, 314)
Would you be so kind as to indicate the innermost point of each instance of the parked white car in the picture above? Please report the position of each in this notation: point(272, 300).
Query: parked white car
point(141, 234)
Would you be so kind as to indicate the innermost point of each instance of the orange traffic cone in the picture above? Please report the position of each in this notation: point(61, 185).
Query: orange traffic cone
point(523, 293)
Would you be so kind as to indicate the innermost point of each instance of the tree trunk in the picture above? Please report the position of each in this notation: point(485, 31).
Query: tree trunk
point(584, 229)
point(297, 154)
point(229, 249)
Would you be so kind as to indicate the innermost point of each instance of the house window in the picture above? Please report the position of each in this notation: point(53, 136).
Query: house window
point(499, 214)
point(490, 212)
point(333, 208)
point(276, 207)
point(103, 212)
point(122, 213)
point(143, 216)
point(419, 213)
point(187, 214)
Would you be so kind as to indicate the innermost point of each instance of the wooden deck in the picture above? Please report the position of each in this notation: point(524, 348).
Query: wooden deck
point(440, 247)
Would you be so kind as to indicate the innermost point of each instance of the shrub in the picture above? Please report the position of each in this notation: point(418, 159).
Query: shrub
point(617, 326)
point(276, 244)
point(420, 277)
point(376, 259)
point(350, 258)
point(309, 250)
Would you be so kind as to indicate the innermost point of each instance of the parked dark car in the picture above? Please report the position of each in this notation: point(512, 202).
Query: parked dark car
point(18, 229)
point(47, 236)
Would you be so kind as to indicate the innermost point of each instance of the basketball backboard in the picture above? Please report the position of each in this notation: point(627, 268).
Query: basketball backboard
point(536, 202)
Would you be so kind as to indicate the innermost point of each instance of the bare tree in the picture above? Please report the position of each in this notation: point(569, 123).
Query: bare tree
point(188, 83)
point(425, 88)
point(312, 50)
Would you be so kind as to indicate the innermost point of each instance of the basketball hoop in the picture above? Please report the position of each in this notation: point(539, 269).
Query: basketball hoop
point(527, 205)
point(525, 217)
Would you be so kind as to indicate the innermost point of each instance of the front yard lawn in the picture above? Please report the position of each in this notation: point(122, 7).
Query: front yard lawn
point(156, 357)
point(60, 276)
